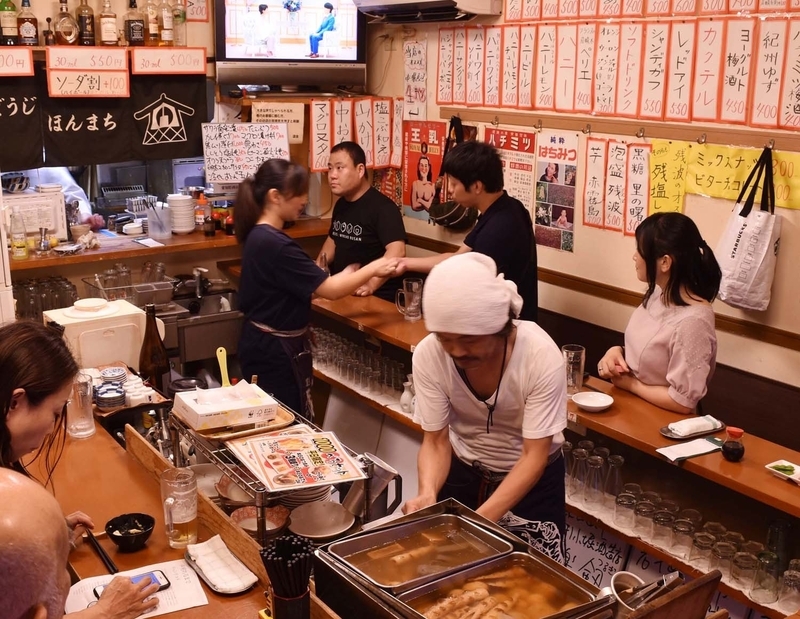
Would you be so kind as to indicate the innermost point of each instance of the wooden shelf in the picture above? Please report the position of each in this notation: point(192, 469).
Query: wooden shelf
point(673, 561)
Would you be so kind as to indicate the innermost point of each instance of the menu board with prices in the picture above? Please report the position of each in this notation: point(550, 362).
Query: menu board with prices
point(174, 60)
point(233, 151)
point(197, 10)
point(16, 62)
point(87, 72)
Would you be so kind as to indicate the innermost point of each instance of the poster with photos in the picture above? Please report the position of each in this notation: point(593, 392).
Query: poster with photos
point(556, 173)
point(517, 150)
point(423, 151)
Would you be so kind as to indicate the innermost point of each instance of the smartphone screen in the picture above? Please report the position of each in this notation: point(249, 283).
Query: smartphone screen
point(156, 576)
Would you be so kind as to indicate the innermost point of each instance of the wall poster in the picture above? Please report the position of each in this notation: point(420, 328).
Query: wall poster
point(517, 149)
point(556, 171)
point(423, 150)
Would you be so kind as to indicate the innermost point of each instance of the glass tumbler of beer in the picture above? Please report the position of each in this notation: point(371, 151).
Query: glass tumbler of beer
point(179, 496)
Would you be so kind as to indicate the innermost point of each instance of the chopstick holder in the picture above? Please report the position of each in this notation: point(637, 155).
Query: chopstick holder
point(110, 565)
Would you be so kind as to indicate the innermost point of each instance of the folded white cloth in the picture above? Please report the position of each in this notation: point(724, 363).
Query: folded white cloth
point(694, 425)
point(222, 569)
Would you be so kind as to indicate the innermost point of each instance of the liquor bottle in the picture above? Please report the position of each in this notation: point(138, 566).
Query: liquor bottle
point(151, 17)
point(153, 359)
point(134, 25)
point(106, 25)
point(19, 240)
point(28, 25)
point(9, 33)
point(166, 32)
point(67, 30)
point(85, 16)
point(179, 23)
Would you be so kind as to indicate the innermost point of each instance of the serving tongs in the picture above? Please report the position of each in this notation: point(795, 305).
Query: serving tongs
point(642, 594)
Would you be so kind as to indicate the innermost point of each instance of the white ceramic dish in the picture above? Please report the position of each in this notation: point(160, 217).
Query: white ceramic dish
point(73, 312)
point(592, 401)
point(795, 477)
point(207, 477)
point(320, 520)
point(90, 305)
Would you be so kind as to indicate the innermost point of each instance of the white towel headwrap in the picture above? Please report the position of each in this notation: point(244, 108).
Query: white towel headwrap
point(465, 295)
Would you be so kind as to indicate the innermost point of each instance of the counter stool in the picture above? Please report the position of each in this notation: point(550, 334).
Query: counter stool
point(688, 601)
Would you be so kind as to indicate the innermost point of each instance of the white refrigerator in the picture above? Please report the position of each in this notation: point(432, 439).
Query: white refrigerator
point(6, 296)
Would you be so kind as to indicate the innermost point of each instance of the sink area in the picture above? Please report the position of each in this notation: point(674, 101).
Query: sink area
point(210, 304)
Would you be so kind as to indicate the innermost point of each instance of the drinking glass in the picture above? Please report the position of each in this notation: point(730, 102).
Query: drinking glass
point(778, 541)
point(411, 294)
point(649, 495)
point(765, 582)
point(80, 414)
point(644, 512)
point(693, 515)
point(578, 473)
point(789, 600)
point(662, 528)
point(634, 489)
point(743, 569)
point(623, 510)
point(593, 489)
point(700, 553)
point(587, 445)
point(670, 506)
point(566, 450)
point(682, 531)
point(613, 485)
point(735, 538)
point(717, 529)
point(722, 558)
point(179, 496)
point(574, 359)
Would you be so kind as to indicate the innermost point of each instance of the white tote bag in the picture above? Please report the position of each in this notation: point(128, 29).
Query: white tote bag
point(748, 250)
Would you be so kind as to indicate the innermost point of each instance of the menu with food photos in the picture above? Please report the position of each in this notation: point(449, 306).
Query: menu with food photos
point(292, 461)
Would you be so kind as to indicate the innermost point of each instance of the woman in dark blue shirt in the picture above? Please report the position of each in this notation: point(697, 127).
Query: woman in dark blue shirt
point(278, 281)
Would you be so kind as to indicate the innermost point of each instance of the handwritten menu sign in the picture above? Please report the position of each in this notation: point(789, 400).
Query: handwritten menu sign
point(668, 164)
point(415, 80)
point(593, 553)
point(566, 61)
point(568, 8)
point(680, 63)
point(169, 60)
point(86, 58)
point(444, 73)
point(233, 151)
point(789, 110)
point(85, 83)
point(320, 134)
point(293, 114)
point(637, 188)
point(587, 8)
point(196, 10)
point(510, 83)
point(16, 62)
point(397, 133)
point(475, 56)
point(531, 9)
point(549, 9)
point(630, 62)
point(708, 70)
point(605, 78)
point(460, 66)
point(494, 43)
point(342, 120)
point(740, 6)
point(527, 55)
point(766, 6)
point(584, 73)
point(610, 8)
point(684, 7)
point(769, 52)
point(737, 69)
point(365, 132)
point(654, 74)
point(544, 87)
point(513, 10)
point(517, 150)
point(594, 187)
point(713, 7)
point(382, 131)
point(632, 8)
point(657, 7)
point(616, 172)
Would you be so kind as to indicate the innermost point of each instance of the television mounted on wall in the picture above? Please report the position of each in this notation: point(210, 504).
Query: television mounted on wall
point(291, 44)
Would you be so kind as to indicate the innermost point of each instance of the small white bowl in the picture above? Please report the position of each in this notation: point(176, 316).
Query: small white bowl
point(592, 401)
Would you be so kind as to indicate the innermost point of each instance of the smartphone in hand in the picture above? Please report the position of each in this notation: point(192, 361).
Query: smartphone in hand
point(156, 576)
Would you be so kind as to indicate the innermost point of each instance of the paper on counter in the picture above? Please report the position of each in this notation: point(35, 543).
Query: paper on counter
point(185, 590)
point(697, 447)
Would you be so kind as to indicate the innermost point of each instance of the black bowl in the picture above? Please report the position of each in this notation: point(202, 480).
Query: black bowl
point(118, 531)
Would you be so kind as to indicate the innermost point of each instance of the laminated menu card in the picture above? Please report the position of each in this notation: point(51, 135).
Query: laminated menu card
point(292, 461)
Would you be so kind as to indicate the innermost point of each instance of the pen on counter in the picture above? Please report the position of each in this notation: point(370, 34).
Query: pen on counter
point(110, 565)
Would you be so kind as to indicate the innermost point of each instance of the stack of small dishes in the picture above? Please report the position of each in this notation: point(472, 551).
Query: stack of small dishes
point(301, 497)
point(114, 374)
point(275, 519)
point(110, 396)
point(182, 209)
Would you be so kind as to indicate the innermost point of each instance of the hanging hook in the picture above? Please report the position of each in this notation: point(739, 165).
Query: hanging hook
point(587, 129)
point(538, 125)
point(640, 133)
point(701, 139)
point(496, 122)
point(771, 144)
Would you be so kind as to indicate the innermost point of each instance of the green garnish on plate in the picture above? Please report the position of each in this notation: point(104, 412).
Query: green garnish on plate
point(786, 469)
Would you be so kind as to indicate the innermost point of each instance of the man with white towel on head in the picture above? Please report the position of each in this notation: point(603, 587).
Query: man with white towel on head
point(491, 398)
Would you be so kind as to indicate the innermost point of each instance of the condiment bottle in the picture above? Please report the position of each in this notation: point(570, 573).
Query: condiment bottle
point(153, 359)
point(209, 226)
point(732, 448)
point(19, 240)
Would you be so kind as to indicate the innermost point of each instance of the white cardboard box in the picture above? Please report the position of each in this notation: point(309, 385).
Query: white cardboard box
point(225, 408)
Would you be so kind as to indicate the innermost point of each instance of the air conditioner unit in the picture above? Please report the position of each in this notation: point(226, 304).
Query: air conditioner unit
point(416, 11)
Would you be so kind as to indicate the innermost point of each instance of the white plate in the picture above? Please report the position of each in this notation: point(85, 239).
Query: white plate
point(207, 476)
point(69, 248)
point(795, 477)
point(592, 401)
point(92, 304)
point(73, 312)
point(320, 520)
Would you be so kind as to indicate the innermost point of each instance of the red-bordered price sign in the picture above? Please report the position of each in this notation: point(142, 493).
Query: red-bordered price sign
point(168, 60)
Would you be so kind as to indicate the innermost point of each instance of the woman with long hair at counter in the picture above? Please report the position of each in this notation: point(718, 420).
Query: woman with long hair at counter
point(278, 281)
point(36, 374)
point(670, 342)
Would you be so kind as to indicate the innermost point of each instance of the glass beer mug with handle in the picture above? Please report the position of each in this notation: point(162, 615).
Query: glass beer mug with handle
point(411, 295)
point(179, 497)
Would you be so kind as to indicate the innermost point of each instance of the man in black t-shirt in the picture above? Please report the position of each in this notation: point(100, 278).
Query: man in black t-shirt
point(504, 230)
point(365, 224)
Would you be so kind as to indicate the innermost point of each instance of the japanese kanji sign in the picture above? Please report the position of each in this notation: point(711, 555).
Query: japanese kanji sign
point(20, 124)
point(668, 163)
point(517, 150)
point(423, 150)
point(556, 171)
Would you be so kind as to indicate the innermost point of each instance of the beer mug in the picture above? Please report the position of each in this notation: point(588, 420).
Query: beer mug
point(179, 496)
point(411, 294)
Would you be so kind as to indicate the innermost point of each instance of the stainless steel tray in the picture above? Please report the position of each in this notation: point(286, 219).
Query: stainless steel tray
point(495, 547)
point(569, 590)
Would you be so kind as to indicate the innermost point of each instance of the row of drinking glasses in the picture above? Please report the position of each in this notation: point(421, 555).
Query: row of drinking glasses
point(594, 475)
point(35, 296)
point(367, 371)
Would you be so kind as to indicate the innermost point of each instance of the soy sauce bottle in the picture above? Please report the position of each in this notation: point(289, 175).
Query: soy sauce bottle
point(732, 448)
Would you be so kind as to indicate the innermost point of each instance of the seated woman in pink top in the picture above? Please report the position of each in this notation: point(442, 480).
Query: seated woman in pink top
point(670, 343)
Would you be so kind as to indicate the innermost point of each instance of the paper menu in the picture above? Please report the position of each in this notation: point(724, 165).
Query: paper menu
point(185, 590)
point(288, 461)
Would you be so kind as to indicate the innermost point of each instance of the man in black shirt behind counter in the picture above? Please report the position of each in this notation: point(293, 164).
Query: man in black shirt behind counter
point(504, 231)
point(365, 224)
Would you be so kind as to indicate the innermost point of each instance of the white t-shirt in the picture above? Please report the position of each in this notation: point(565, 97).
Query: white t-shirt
point(532, 402)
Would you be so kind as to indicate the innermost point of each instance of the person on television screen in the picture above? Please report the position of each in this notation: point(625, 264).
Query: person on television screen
point(251, 27)
point(329, 23)
point(423, 189)
point(266, 33)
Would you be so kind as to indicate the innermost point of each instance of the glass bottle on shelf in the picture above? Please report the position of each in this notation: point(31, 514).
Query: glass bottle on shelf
point(733, 448)
point(107, 25)
point(19, 240)
point(166, 32)
point(85, 16)
point(67, 31)
point(135, 30)
point(9, 33)
point(27, 25)
point(153, 359)
point(179, 23)
point(151, 23)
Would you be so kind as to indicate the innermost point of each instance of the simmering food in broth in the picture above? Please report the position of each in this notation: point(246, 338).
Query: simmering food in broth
point(424, 553)
point(509, 592)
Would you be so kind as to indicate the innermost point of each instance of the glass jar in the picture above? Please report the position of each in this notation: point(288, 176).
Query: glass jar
point(623, 510)
point(682, 531)
point(593, 488)
point(722, 558)
point(700, 554)
point(662, 528)
point(644, 512)
point(733, 448)
point(613, 483)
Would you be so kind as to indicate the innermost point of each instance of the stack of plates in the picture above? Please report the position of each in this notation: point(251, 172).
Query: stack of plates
point(114, 375)
point(301, 497)
point(182, 209)
point(110, 396)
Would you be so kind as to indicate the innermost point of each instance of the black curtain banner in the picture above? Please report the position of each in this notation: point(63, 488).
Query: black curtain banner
point(168, 112)
point(20, 124)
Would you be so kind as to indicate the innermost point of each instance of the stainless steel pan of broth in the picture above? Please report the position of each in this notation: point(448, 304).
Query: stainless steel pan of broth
point(516, 586)
point(410, 555)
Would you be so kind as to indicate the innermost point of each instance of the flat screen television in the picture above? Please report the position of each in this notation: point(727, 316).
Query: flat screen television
point(306, 44)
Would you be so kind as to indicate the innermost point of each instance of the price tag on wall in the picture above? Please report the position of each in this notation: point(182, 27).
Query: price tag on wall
point(77, 83)
point(197, 10)
point(16, 62)
point(169, 60)
point(86, 58)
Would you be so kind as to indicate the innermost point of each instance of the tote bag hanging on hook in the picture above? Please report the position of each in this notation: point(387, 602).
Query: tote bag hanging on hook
point(748, 250)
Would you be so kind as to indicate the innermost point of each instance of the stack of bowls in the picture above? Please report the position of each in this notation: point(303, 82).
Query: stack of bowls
point(182, 209)
point(301, 497)
point(114, 375)
point(110, 396)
